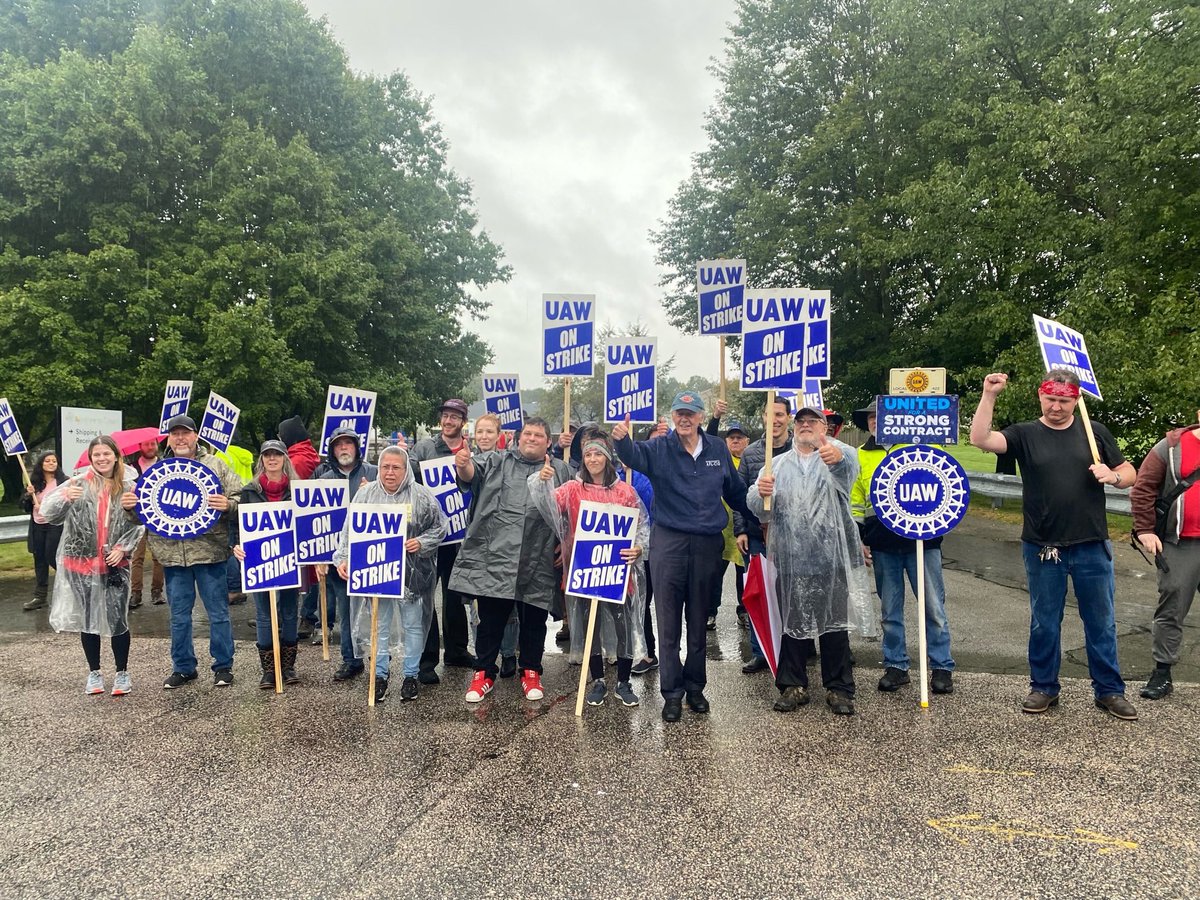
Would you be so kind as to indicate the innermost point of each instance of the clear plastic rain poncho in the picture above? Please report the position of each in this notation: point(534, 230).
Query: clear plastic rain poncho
point(813, 543)
point(427, 523)
point(620, 628)
point(89, 595)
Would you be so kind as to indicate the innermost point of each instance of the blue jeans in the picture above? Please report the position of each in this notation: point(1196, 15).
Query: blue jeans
point(285, 606)
point(182, 584)
point(1090, 568)
point(312, 597)
point(335, 593)
point(890, 568)
point(412, 620)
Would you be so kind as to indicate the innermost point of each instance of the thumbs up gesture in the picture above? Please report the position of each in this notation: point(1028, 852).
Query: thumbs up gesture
point(463, 455)
point(547, 473)
point(829, 453)
point(621, 429)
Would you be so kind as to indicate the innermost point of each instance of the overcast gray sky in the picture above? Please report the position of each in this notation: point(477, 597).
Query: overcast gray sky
point(575, 122)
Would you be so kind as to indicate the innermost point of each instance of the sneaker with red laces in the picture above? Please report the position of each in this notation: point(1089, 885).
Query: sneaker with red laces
point(531, 684)
point(480, 687)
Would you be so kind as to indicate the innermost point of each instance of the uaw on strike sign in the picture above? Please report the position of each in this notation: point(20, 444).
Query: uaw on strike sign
point(720, 284)
point(378, 533)
point(597, 570)
point(268, 539)
point(320, 517)
point(629, 379)
point(568, 327)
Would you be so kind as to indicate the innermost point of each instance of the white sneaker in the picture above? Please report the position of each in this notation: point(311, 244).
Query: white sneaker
point(95, 683)
point(123, 684)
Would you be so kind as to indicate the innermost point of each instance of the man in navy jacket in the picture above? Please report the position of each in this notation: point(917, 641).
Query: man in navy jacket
point(690, 473)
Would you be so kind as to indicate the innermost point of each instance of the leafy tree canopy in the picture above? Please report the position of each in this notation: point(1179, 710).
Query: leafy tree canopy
point(949, 167)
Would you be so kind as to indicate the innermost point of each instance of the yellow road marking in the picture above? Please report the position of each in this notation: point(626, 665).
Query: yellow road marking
point(968, 822)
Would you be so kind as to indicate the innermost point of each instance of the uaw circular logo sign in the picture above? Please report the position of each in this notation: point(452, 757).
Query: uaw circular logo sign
point(920, 492)
point(173, 498)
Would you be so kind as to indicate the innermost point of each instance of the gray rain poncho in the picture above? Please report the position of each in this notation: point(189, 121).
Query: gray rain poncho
point(427, 523)
point(620, 628)
point(89, 596)
point(813, 543)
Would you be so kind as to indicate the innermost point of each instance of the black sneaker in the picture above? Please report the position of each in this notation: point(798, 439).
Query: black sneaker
point(1158, 686)
point(644, 665)
point(347, 672)
point(178, 679)
point(409, 689)
point(893, 679)
point(756, 664)
point(223, 678)
point(381, 684)
point(428, 676)
point(941, 681)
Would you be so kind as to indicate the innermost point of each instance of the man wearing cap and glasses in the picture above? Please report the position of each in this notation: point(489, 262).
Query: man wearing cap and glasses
point(452, 418)
point(691, 473)
point(198, 564)
point(1065, 533)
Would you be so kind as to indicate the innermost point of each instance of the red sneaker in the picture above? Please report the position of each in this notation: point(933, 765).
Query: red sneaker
point(480, 687)
point(531, 684)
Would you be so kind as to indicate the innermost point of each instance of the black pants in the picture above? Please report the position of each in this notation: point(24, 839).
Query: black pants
point(685, 566)
point(120, 649)
point(596, 667)
point(453, 633)
point(531, 639)
point(738, 573)
point(836, 672)
point(43, 544)
point(648, 625)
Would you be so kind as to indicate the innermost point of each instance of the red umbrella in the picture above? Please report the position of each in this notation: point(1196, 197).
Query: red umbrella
point(758, 597)
point(127, 441)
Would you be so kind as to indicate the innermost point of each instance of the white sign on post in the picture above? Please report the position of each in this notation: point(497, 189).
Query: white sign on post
point(176, 398)
point(77, 427)
point(568, 329)
point(1065, 348)
point(220, 419)
point(629, 379)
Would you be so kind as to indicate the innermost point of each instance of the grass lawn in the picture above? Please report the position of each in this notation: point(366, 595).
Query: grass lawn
point(15, 560)
point(972, 458)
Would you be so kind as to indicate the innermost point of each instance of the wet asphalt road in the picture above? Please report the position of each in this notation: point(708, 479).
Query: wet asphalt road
point(232, 792)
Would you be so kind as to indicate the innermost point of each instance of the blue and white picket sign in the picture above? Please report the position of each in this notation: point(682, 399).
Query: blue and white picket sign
point(220, 419)
point(268, 537)
point(720, 285)
point(378, 532)
point(320, 517)
point(792, 398)
point(176, 398)
point(172, 498)
point(10, 433)
point(916, 419)
point(348, 408)
point(597, 571)
point(813, 396)
point(920, 492)
point(774, 336)
point(502, 397)
point(438, 475)
point(816, 354)
point(629, 379)
point(568, 330)
point(1065, 348)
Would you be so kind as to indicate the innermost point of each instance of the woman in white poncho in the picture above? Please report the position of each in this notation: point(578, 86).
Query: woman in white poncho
point(813, 543)
point(100, 532)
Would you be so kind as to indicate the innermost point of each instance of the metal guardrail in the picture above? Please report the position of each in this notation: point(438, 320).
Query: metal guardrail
point(13, 528)
point(1008, 487)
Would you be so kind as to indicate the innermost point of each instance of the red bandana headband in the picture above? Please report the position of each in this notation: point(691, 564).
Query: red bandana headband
point(1059, 389)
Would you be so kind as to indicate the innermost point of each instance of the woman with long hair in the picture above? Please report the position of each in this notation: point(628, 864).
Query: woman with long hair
point(43, 536)
point(272, 483)
point(598, 482)
point(100, 532)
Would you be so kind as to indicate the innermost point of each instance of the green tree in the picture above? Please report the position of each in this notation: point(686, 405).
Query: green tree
point(204, 190)
point(947, 168)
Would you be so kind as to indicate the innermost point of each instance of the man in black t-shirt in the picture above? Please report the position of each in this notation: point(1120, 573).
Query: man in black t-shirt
point(1065, 533)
